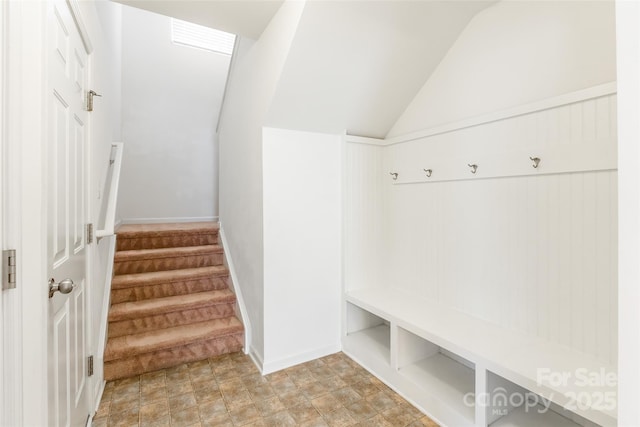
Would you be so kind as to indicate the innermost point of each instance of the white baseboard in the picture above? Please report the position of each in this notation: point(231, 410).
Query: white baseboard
point(235, 284)
point(172, 219)
point(96, 403)
point(256, 358)
point(269, 367)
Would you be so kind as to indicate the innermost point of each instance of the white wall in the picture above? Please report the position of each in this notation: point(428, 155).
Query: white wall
point(104, 21)
point(256, 70)
point(171, 97)
point(302, 246)
point(628, 45)
point(349, 55)
point(515, 53)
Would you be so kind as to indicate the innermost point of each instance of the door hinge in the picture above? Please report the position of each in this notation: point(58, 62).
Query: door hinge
point(89, 234)
point(9, 269)
point(90, 366)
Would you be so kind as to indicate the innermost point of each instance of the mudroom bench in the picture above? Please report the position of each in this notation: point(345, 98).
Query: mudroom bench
point(463, 371)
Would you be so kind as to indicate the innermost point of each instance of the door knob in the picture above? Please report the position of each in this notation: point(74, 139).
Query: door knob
point(64, 287)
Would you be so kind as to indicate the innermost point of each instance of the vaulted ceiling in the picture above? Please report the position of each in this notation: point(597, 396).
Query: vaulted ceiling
point(352, 65)
point(356, 65)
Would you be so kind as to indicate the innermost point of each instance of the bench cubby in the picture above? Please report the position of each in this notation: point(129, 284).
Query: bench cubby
point(445, 362)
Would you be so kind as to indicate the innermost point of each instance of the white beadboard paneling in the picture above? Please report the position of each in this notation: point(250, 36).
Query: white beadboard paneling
point(531, 253)
point(363, 206)
point(534, 250)
point(580, 137)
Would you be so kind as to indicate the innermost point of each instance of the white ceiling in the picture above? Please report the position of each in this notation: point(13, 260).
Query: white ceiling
point(356, 65)
point(247, 18)
point(353, 65)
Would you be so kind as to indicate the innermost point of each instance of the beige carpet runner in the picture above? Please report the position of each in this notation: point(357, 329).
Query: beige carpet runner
point(170, 299)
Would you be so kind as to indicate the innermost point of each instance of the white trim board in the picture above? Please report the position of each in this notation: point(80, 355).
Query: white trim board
point(256, 358)
point(167, 220)
point(238, 291)
point(354, 139)
point(545, 104)
point(277, 365)
point(106, 299)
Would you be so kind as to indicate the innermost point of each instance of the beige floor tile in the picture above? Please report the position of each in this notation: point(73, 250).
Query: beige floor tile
point(228, 390)
point(346, 395)
point(154, 411)
point(181, 402)
point(218, 419)
point(303, 412)
point(280, 419)
point(261, 392)
point(340, 418)
point(269, 406)
point(184, 418)
point(244, 415)
point(361, 410)
point(153, 395)
point(326, 403)
point(211, 408)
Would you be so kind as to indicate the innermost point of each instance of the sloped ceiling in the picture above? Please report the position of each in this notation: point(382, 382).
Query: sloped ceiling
point(356, 65)
point(247, 18)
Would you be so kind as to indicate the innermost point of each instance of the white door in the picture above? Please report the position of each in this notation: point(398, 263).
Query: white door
point(67, 212)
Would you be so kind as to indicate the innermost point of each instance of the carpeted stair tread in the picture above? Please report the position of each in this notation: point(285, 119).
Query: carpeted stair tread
point(146, 254)
point(147, 342)
point(150, 307)
point(124, 281)
point(129, 231)
point(165, 358)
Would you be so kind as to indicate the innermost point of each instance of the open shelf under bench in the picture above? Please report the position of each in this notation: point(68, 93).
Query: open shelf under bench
point(437, 382)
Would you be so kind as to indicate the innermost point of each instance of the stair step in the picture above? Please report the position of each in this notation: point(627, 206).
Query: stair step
point(148, 342)
point(160, 284)
point(167, 235)
point(168, 357)
point(161, 313)
point(170, 299)
point(149, 260)
point(138, 309)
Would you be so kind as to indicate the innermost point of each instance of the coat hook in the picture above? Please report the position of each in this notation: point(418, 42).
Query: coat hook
point(473, 167)
point(394, 175)
point(428, 172)
point(536, 161)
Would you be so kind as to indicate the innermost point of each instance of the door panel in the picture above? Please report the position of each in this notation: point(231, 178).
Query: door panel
point(67, 213)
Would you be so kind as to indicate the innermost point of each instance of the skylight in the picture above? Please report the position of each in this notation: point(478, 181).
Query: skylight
point(188, 34)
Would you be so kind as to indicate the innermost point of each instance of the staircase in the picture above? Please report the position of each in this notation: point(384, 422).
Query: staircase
point(170, 299)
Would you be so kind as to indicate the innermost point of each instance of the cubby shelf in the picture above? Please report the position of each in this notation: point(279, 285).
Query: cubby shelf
point(435, 356)
point(375, 340)
point(531, 418)
point(445, 378)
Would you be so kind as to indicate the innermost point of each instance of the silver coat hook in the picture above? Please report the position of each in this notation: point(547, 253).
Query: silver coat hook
point(473, 167)
point(394, 175)
point(428, 172)
point(536, 161)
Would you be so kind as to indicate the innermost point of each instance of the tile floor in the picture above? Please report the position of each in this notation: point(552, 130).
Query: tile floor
point(229, 391)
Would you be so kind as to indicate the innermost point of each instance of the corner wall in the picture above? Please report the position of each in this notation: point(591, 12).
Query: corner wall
point(254, 77)
point(302, 246)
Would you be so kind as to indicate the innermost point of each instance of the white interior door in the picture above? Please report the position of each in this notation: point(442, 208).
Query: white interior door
point(67, 212)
